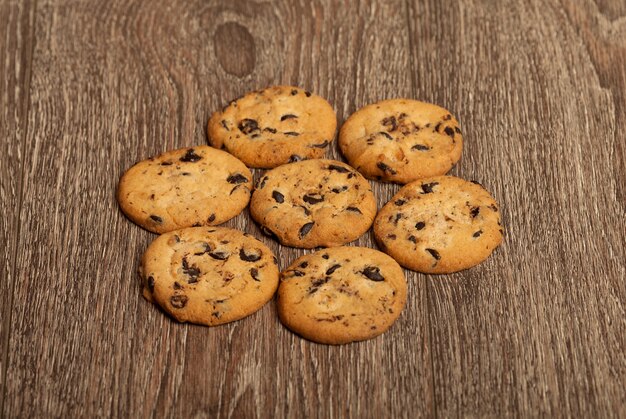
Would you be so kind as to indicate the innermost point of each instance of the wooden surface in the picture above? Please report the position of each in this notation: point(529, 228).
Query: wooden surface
point(88, 88)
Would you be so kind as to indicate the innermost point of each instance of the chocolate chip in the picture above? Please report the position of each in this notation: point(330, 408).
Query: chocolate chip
point(166, 163)
point(292, 133)
point(298, 273)
point(156, 218)
point(428, 187)
point(332, 269)
point(339, 169)
point(191, 271)
point(387, 136)
point(447, 117)
point(308, 94)
point(493, 207)
point(248, 126)
point(354, 209)
point(477, 234)
point(373, 273)
point(178, 301)
point(304, 264)
point(311, 199)
point(339, 190)
point(224, 124)
point(413, 239)
point(400, 202)
point(457, 129)
point(315, 285)
point(320, 145)
point(278, 197)
point(254, 273)
point(449, 131)
point(420, 225)
point(219, 255)
point(294, 92)
point(196, 225)
point(190, 156)
point(305, 229)
point(272, 130)
point(211, 218)
point(287, 116)
point(206, 249)
point(151, 283)
point(474, 211)
point(390, 123)
point(177, 286)
point(325, 256)
point(382, 166)
point(250, 256)
point(294, 158)
point(437, 127)
point(420, 147)
point(186, 174)
point(434, 253)
point(398, 217)
point(237, 178)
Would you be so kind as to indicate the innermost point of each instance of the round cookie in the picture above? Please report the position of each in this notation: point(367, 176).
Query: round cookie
point(183, 188)
point(208, 275)
point(314, 203)
point(441, 224)
point(400, 140)
point(341, 295)
point(270, 127)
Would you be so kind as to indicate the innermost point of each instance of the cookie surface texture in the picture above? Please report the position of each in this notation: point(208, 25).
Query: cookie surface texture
point(313, 203)
point(401, 140)
point(186, 187)
point(208, 275)
point(341, 295)
point(441, 224)
point(278, 125)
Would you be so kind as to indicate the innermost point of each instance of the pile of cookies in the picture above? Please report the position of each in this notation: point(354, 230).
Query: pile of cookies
point(209, 275)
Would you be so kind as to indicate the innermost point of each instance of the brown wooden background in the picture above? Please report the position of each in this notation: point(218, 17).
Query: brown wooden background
point(89, 87)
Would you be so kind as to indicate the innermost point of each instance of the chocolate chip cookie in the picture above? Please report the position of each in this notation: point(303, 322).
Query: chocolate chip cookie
point(192, 186)
point(208, 275)
point(341, 295)
point(440, 224)
point(400, 140)
point(270, 127)
point(313, 203)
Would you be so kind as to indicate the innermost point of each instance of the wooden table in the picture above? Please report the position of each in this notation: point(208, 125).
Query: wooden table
point(89, 87)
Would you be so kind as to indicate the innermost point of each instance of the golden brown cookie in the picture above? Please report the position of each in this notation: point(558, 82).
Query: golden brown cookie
point(314, 203)
point(270, 127)
point(441, 224)
point(341, 295)
point(182, 188)
point(400, 140)
point(208, 275)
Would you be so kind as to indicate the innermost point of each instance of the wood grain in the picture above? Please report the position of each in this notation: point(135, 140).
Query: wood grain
point(16, 43)
point(537, 330)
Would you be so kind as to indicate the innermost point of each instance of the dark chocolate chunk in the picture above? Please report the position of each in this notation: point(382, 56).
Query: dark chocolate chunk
point(178, 301)
point(177, 286)
point(449, 131)
point(312, 199)
point(237, 178)
point(420, 147)
point(211, 218)
point(373, 273)
point(434, 253)
point(304, 264)
point(437, 127)
point(474, 211)
point(254, 273)
point(166, 163)
point(382, 166)
point(308, 94)
point(250, 256)
point(292, 133)
point(315, 285)
point(420, 225)
point(390, 123)
point(191, 271)
point(354, 209)
point(219, 255)
point(294, 158)
point(305, 229)
point(294, 92)
point(156, 218)
point(325, 256)
point(428, 187)
point(400, 202)
point(477, 234)
point(190, 156)
point(387, 136)
point(248, 126)
point(272, 130)
point(278, 197)
point(206, 249)
point(186, 174)
point(339, 169)
point(398, 217)
point(151, 283)
point(196, 225)
point(287, 116)
point(339, 190)
point(320, 145)
point(413, 239)
point(298, 273)
point(332, 269)
point(305, 209)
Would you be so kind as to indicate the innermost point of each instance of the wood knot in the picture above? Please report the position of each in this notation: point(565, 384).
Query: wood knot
point(234, 49)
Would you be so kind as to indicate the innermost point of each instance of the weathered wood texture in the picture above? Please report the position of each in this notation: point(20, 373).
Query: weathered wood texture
point(539, 329)
point(16, 43)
